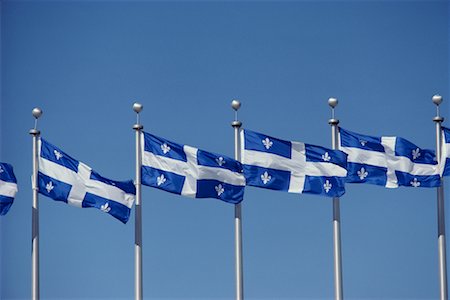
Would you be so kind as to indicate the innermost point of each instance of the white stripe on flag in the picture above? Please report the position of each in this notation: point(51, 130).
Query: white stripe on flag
point(8, 189)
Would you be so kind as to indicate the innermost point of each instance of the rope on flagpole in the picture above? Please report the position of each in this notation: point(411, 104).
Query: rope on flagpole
point(338, 286)
point(37, 113)
point(138, 289)
point(236, 124)
point(437, 100)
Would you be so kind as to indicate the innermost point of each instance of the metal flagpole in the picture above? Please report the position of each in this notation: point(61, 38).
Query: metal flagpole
point(440, 205)
point(137, 107)
point(338, 290)
point(37, 112)
point(235, 104)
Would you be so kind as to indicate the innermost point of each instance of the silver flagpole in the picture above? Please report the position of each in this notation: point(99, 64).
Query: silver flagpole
point(440, 205)
point(338, 290)
point(235, 104)
point(37, 112)
point(137, 107)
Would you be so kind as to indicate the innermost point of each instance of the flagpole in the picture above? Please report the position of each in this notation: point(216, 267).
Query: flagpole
point(137, 107)
point(37, 112)
point(235, 104)
point(338, 290)
point(437, 100)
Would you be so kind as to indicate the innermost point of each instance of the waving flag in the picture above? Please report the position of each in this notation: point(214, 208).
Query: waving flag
point(8, 187)
point(445, 161)
point(188, 171)
point(292, 166)
point(66, 179)
point(388, 161)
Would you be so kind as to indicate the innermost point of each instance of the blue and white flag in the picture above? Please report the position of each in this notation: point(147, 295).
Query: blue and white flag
point(188, 171)
point(292, 166)
point(445, 153)
point(66, 179)
point(8, 187)
point(388, 161)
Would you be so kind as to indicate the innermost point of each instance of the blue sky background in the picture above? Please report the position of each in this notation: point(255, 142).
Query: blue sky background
point(85, 63)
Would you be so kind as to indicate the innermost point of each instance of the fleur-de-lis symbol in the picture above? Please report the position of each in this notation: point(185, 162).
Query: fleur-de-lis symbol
point(219, 189)
point(1, 170)
point(327, 186)
point(160, 179)
point(58, 154)
point(105, 208)
point(266, 177)
point(220, 161)
point(415, 182)
point(362, 173)
point(267, 143)
point(165, 148)
point(416, 153)
point(326, 157)
point(49, 186)
point(362, 142)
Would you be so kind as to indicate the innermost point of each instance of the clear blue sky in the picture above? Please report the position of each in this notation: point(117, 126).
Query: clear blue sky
point(85, 63)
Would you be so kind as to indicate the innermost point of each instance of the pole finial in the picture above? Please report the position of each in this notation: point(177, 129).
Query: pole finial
point(437, 100)
point(137, 107)
point(236, 104)
point(37, 113)
point(333, 102)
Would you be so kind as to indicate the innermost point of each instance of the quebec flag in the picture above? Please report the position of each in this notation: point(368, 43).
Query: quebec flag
point(445, 160)
point(292, 166)
point(66, 179)
point(388, 161)
point(8, 187)
point(188, 171)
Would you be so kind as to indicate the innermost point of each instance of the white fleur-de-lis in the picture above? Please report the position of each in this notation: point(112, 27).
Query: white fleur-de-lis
point(415, 182)
point(362, 142)
point(58, 154)
point(105, 207)
point(266, 177)
point(219, 189)
point(220, 161)
point(326, 157)
point(1, 169)
point(160, 179)
point(267, 143)
point(165, 148)
point(362, 173)
point(49, 186)
point(416, 153)
point(327, 186)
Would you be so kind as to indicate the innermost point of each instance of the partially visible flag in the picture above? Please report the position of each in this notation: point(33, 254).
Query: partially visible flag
point(388, 161)
point(66, 179)
point(8, 187)
point(293, 167)
point(188, 171)
point(445, 153)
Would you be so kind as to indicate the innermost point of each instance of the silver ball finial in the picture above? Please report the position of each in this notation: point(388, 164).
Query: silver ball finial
point(333, 102)
point(437, 99)
point(137, 107)
point(235, 104)
point(36, 112)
